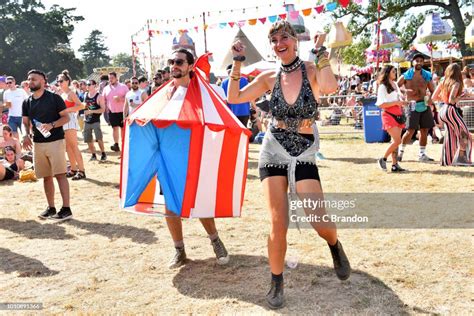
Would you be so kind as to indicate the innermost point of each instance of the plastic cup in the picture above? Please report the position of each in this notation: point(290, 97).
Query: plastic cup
point(292, 259)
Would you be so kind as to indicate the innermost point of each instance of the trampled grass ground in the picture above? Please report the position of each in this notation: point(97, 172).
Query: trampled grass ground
point(110, 261)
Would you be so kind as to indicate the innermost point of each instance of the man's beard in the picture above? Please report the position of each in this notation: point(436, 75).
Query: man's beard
point(418, 67)
point(33, 89)
point(180, 74)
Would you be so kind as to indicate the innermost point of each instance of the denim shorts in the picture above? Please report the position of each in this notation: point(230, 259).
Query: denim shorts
point(15, 123)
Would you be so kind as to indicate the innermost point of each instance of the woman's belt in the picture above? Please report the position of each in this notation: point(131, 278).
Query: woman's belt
point(304, 123)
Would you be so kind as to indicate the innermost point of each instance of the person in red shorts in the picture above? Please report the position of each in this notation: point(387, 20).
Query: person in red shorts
point(390, 100)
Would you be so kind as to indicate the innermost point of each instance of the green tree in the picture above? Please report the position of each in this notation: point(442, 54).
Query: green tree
point(125, 60)
point(406, 23)
point(33, 37)
point(355, 54)
point(94, 52)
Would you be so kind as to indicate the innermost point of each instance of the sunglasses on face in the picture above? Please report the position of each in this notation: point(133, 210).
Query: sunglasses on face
point(178, 62)
point(9, 82)
point(91, 84)
point(59, 81)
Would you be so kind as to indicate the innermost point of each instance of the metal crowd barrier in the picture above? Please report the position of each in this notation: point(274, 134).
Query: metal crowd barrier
point(467, 107)
point(335, 117)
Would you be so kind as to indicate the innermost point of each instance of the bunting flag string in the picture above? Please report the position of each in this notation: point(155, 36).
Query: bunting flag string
point(329, 6)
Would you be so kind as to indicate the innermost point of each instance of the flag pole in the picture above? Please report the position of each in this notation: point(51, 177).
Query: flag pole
point(378, 34)
point(204, 27)
point(133, 58)
point(149, 47)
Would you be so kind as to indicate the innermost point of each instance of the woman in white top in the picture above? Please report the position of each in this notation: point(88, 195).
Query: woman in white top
point(389, 99)
point(73, 105)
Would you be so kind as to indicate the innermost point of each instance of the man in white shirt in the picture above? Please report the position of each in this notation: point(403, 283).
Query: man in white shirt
point(13, 99)
point(133, 98)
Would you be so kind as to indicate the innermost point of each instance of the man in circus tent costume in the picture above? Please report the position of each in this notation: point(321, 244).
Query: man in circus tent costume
point(180, 149)
point(181, 66)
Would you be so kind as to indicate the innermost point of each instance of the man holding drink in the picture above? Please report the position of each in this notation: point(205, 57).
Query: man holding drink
point(114, 95)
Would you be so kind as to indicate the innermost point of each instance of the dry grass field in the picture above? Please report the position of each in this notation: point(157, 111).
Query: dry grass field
point(109, 261)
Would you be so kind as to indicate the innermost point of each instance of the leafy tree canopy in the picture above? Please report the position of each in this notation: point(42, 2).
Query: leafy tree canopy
point(94, 52)
point(125, 60)
point(405, 22)
point(33, 37)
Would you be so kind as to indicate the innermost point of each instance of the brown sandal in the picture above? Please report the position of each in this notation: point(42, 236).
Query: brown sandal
point(79, 175)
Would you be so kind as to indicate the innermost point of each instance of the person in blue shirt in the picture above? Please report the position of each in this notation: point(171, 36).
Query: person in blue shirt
point(241, 110)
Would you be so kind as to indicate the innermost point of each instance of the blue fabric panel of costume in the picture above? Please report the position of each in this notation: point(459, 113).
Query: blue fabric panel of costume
point(173, 165)
point(143, 160)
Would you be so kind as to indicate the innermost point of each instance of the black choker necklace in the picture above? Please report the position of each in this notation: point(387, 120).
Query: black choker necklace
point(295, 64)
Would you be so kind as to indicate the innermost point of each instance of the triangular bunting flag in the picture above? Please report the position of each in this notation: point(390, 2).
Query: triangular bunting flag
point(307, 12)
point(344, 3)
point(294, 14)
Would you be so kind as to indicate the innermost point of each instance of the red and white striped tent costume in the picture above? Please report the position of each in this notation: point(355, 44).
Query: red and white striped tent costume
point(191, 146)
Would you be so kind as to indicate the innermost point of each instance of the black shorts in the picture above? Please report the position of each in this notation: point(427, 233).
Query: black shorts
point(244, 119)
point(417, 120)
point(303, 172)
point(116, 119)
point(8, 174)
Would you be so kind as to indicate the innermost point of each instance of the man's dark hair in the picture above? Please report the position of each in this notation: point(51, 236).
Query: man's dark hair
point(104, 78)
point(11, 78)
point(113, 73)
point(38, 72)
point(133, 78)
point(189, 55)
point(142, 79)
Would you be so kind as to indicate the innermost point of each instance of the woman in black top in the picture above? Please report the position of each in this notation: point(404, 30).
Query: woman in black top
point(287, 159)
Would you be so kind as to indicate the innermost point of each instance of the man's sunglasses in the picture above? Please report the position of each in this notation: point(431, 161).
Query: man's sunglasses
point(135, 82)
point(10, 82)
point(178, 62)
point(59, 81)
point(90, 84)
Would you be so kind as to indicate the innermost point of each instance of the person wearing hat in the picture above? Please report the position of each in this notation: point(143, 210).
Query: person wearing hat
point(241, 110)
point(416, 81)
